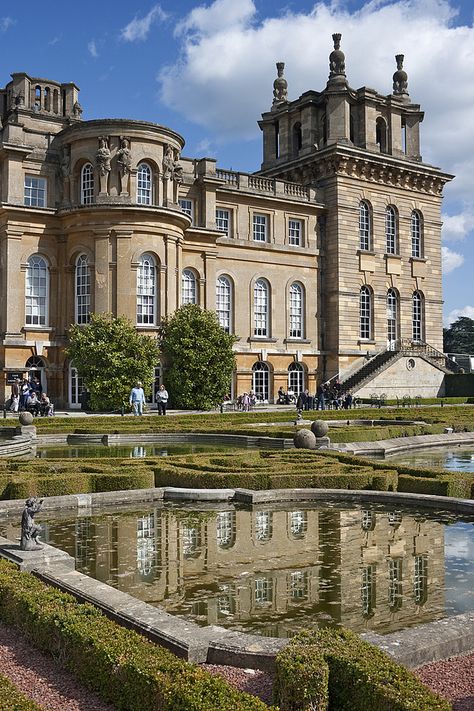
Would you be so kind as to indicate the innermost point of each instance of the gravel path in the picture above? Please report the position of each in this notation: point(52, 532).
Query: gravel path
point(452, 678)
point(40, 678)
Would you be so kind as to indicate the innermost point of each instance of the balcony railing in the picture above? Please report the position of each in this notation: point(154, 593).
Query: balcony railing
point(265, 186)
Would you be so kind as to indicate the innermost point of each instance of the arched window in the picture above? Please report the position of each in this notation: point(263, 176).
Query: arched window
point(55, 101)
point(364, 226)
point(296, 378)
point(37, 104)
point(47, 99)
point(297, 138)
point(146, 291)
point(82, 289)
point(391, 241)
point(87, 184)
point(188, 287)
point(225, 529)
point(261, 308)
point(417, 316)
point(144, 184)
point(392, 318)
point(36, 291)
point(224, 303)
point(381, 134)
point(365, 313)
point(296, 311)
point(261, 381)
point(416, 235)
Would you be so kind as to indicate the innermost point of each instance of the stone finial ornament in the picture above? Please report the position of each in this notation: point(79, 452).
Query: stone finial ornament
point(280, 85)
point(400, 78)
point(29, 529)
point(337, 59)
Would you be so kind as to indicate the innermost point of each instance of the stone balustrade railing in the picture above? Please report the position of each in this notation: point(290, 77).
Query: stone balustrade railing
point(267, 186)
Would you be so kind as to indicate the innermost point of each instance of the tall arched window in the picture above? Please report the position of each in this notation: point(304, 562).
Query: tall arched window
point(47, 99)
point(87, 184)
point(146, 291)
point(261, 308)
point(82, 283)
point(392, 318)
point(296, 378)
point(365, 313)
point(381, 134)
point(261, 381)
point(417, 316)
point(226, 529)
point(416, 235)
point(296, 311)
point(144, 184)
point(391, 241)
point(36, 291)
point(188, 287)
point(364, 226)
point(224, 303)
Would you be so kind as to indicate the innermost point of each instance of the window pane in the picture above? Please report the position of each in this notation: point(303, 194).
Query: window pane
point(365, 313)
point(260, 228)
point(36, 288)
point(296, 311)
point(87, 184)
point(187, 207)
point(223, 221)
point(390, 231)
point(189, 292)
point(415, 235)
point(261, 308)
point(144, 184)
point(83, 290)
point(146, 290)
point(294, 232)
point(223, 303)
point(364, 226)
point(35, 191)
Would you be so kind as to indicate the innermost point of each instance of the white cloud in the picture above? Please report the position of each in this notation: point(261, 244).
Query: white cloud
point(204, 148)
point(451, 260)
point(5, 23)
point(206, 21)
point(92, 49)
point(457, 227)
point(456, 313)
point(138, 28)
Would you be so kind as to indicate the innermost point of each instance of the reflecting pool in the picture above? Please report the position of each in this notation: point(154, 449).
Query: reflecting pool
point(275, 569)
point(453, 458)
point(134, 450)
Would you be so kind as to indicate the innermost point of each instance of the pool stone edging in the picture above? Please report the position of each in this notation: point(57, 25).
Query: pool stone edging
point(213, 644)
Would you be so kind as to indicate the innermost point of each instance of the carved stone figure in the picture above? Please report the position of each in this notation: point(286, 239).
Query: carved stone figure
point(124, 156)
point(65, 161)
point(177, 172)
point(168, 162)
point(400, 78)
point(102, 160)
point(29, 529)
point(77, 110)
point(280, 85)
point(337, 59)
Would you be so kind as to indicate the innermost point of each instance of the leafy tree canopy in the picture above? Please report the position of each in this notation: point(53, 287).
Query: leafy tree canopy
point(111, 356)
point(459, 337)
point(199, 358)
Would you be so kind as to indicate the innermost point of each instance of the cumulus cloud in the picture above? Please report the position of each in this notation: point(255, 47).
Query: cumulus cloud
point(227, 65)
point(92, 49)
point(457, 227)
point(139, 28)
point(451, 260)
point(457, 313)
point(5, 23)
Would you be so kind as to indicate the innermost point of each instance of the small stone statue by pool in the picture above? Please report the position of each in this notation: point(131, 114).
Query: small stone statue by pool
point(315, 438)
point(29, 529)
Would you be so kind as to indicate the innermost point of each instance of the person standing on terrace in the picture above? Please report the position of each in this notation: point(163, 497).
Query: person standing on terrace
point(137, 399)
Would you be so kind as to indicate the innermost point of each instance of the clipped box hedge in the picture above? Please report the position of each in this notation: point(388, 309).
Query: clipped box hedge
point(11, 699)
point(119, 664)
point(335, 669)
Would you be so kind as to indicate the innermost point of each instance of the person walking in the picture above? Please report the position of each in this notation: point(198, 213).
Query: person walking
point(162, 400)
point(15, 396)
point(137, 399)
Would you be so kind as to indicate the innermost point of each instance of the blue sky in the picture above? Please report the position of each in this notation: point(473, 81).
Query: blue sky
point(206, 70)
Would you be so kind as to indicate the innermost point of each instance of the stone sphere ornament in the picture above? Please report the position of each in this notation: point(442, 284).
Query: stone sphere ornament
point(319, 428)
point(25, 418)
point(304, 439)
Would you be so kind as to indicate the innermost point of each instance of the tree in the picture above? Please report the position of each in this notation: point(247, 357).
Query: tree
point(198, 357)
point(111, 356)
point(459, 337)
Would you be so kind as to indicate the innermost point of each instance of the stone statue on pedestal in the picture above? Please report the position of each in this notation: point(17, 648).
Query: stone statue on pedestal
point(29, 529)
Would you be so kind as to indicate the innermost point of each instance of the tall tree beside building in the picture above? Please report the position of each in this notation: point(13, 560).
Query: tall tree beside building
point(459, 337)
point(198, 358)
point(111, 356)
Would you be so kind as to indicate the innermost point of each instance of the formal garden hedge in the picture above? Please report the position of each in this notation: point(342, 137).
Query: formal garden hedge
point(118, 664)
point(247, 469)
point(335, 669)
point(11, 699)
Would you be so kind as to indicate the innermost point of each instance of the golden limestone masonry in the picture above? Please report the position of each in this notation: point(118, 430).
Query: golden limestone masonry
point(325, 263)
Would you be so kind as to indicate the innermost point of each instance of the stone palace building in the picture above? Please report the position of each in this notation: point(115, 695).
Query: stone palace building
point(326, 262)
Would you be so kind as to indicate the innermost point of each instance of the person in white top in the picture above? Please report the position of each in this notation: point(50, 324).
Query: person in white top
point(162, 399)
point(137, 399)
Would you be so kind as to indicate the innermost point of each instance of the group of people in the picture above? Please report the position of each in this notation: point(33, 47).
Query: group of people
point(28, 396)
point(137, 399)
point(246, 401)
point(328, 396)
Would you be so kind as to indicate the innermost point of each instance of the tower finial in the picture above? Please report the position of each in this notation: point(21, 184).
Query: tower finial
point(337, 60)
point(400, 78)
point(280, 86)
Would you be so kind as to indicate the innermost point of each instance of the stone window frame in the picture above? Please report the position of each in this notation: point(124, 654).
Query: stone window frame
point(366, 308)
point(82, 289)
point(296, 310)
point(144, 183)
point(35, 191)
point(37, 293)
point(189, 287)
point(225, 302)
point(87, 184)
point(147, 290)
point(391, 230)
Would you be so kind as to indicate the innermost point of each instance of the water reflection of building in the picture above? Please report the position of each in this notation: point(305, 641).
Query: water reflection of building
point(275, 570)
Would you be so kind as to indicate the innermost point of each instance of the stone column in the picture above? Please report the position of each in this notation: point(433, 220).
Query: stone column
point(14, 275)
point(209, 282)
point(125, 287)
point(102, 280)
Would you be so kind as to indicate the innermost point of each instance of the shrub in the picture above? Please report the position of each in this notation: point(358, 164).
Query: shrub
point(302, 679)
point(11, 699)
point(361, 676)
point(119, 664)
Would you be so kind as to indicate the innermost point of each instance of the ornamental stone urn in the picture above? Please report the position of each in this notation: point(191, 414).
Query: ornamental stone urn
point(304, 439)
